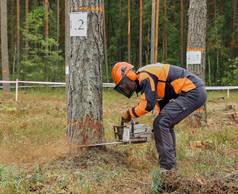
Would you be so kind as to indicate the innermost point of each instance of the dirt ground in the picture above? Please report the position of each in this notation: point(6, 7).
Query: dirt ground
point(35, 157)
point(173, 183)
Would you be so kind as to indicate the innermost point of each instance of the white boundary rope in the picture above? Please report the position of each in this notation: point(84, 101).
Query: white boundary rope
point(105, 85)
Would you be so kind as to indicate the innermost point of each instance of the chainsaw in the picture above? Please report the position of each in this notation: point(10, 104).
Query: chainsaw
point(133, 133)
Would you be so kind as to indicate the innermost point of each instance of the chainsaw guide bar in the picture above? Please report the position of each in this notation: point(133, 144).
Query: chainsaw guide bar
point(133, 141)
point(133, 134)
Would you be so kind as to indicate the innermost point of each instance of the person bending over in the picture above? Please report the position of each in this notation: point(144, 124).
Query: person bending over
point(171, 91)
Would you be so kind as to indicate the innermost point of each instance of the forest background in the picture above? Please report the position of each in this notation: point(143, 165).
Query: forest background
point(36, 38)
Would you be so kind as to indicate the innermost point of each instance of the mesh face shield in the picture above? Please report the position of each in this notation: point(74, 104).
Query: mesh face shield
point(126, 87)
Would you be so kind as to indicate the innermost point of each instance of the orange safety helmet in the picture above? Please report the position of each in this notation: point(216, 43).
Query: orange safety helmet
point(125, 78)
point(122, 69)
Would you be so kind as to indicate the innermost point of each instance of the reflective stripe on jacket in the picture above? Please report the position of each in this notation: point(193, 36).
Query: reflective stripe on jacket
point(162, 82)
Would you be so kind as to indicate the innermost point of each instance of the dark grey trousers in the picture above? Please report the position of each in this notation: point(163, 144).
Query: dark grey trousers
point(172, 113)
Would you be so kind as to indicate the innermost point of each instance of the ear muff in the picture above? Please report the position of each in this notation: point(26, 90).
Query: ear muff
point(131, 75)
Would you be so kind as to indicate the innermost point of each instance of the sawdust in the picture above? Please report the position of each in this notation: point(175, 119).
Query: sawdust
point(90, 157)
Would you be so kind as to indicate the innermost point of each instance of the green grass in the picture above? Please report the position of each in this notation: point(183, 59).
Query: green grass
point(35, 159)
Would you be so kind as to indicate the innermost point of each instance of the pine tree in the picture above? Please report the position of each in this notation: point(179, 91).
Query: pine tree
point(84, 79)
point(197, 42)
point(4, 45)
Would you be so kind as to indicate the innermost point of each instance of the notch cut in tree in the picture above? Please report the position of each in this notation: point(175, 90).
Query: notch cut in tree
point(196, 45)
point(84, 59)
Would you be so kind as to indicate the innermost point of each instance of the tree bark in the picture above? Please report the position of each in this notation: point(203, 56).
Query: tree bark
point(4, 45)
point(197, 42)
point(84, 81)
point(165, 34)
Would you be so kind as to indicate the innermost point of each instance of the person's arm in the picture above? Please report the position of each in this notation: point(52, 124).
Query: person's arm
point(148, 96)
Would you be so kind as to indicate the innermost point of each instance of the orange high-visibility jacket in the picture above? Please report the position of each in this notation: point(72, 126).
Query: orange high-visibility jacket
point(162, 82)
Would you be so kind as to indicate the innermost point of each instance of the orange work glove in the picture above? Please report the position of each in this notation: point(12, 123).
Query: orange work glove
point(126, 117)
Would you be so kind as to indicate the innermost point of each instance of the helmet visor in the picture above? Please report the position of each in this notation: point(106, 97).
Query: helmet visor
point(126, 87)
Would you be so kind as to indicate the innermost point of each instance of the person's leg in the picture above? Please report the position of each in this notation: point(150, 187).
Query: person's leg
point(172, 113)
point(164, 141)
point(174, 139)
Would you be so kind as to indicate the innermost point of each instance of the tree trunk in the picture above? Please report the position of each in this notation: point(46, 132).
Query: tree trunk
point(46, 37)
point(105, 46)
point(197, 42)
point(4, 45)
point(152, 37)
point(234, 26)
point(120, 31)
point(62, 25)
point(209, 71)
point(182, 32)
point(17, 35)
point(58, 24)
point(26, 44)
point(157, 12)
point(84, 79)
point(129, 31)
point(140, 31)
point(147, 60)
point(165, 34)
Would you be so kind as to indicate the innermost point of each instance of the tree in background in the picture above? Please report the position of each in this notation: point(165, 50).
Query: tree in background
point(16, 65)
point(182, 55)
point(197, 42)
point(33, 62)
point(84, 59)
point(222, 36)
point(4, 44)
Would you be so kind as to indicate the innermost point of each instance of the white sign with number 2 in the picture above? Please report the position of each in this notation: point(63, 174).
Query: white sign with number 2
point(78, 24)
